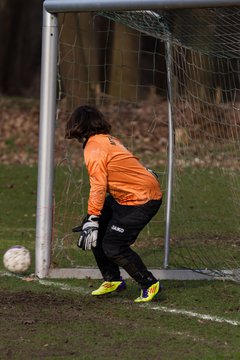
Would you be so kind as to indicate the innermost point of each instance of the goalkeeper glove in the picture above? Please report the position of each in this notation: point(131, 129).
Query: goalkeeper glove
point(88, 232)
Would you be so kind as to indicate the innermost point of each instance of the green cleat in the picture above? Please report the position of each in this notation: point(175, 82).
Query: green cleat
point(110, 286)
point(149, 293)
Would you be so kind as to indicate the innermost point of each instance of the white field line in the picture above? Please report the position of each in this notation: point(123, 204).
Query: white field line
point(59, 285)
point(62, 286)
point(192, 314)
point(149, 306)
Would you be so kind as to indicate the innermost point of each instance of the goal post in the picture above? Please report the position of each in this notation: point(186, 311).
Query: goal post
point(46, 144)
point(48, 110)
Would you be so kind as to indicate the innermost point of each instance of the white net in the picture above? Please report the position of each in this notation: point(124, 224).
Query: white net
point(116, 61)
point(122, 82)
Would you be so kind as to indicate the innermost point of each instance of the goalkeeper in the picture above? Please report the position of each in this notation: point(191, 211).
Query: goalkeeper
point(113, 222)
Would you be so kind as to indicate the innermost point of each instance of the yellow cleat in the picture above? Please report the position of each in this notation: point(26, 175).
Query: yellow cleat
point(149, 293)
point(110, 286)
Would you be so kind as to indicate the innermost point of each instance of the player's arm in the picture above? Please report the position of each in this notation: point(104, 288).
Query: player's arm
point(96, 163)
point(95, 160)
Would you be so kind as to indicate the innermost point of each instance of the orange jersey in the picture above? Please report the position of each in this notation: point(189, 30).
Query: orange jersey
point(115, 170)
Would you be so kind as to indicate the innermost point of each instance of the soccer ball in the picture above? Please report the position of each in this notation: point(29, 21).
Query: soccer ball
point(17, 259)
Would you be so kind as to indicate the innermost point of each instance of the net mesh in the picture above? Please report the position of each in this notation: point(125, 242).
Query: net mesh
point(117, 61)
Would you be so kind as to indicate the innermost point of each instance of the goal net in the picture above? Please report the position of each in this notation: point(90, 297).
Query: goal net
point(143, 69)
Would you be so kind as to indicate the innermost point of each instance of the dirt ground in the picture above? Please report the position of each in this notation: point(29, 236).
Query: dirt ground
point(19, 129)
point(48, 323)
point(143, 128)
point(29, 321)
point(55, 325)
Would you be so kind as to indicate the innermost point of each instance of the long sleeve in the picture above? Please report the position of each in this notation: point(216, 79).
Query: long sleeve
point(96, 163)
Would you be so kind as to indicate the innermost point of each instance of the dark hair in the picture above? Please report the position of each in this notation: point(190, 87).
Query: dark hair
point(86, 121)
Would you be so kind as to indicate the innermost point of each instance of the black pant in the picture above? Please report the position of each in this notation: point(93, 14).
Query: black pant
point(119, 226)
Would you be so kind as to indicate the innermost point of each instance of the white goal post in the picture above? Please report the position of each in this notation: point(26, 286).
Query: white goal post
point(44, 217)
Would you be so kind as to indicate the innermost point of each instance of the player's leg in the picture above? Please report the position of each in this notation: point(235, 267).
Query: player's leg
point(109, 270)
point(122, 231)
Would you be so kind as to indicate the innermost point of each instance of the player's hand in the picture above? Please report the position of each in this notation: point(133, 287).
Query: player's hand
point(88, 232)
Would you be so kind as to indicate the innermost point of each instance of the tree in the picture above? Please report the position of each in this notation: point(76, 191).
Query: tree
point(20, 37)
point(79, 70)
point(124, 71)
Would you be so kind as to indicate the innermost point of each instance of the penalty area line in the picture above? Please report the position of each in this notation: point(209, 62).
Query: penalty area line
point(191, 314)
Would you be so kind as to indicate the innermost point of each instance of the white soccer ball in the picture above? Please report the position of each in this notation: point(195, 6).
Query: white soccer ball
point(17, 259)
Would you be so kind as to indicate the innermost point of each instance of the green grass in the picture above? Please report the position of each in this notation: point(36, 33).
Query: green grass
point(205, 202)
point(45, 321)
point(18, 205)
point(51, 323)
point(203, 220)
point(201, 223)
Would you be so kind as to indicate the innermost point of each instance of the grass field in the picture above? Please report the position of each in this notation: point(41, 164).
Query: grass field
point(59, 319)
point(40, 320)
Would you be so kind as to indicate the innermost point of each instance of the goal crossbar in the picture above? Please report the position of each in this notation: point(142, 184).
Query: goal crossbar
point(55, 6)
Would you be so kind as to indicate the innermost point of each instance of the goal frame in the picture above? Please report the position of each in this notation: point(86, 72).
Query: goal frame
point(44, 218)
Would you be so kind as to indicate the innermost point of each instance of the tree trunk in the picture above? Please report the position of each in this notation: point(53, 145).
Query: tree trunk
point(124, 70)
point(78, 59)
point(20, 56)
